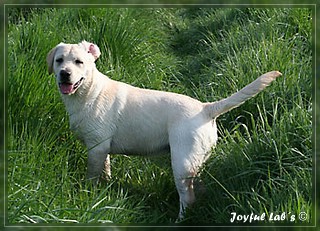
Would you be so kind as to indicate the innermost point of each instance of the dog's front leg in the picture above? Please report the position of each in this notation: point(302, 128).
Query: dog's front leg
point(107, 167)
point(96, 162)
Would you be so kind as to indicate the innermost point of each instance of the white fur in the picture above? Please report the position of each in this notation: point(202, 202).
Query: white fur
point(114, 117)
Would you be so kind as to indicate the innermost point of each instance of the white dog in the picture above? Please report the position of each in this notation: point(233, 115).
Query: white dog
point(114, 117)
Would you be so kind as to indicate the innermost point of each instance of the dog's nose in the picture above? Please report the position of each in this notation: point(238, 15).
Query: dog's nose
point(65, 75)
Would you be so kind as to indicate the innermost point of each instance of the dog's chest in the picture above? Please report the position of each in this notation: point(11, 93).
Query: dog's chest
point(90, 127)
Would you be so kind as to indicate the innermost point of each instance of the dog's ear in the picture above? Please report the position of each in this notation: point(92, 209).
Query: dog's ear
point(91, 48)
point(50, 58)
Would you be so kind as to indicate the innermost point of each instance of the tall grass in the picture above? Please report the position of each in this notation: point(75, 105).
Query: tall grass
point(263, 160)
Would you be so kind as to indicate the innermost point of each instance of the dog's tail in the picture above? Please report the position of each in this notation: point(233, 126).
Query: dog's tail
point(222, 106)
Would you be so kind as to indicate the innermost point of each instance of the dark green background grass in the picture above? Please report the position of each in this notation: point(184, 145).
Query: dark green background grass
point(263, 161)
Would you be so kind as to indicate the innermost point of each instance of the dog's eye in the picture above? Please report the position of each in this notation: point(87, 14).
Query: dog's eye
point(79, 61)
point(59, 60)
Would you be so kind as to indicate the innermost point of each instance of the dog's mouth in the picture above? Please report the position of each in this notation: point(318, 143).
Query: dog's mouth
point(69, 88)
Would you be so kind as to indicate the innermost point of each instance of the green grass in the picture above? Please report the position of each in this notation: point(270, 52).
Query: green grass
point(263, 160)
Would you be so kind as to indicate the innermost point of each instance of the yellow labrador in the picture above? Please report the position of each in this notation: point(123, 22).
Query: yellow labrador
point(114, 117)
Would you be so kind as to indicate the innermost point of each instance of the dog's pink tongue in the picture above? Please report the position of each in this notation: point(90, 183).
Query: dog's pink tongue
point(66, 88)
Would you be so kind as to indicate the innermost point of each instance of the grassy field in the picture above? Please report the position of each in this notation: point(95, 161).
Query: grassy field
point(263, 161)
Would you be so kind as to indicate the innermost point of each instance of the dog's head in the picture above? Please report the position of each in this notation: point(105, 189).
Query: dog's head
point(72, 64)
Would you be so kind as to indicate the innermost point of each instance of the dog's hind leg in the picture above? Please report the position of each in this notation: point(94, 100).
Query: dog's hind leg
point(190, 147)
point(184, 171)
point(184, 175)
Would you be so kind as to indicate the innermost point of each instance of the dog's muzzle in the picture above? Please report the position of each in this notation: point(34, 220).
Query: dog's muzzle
point(65, 85)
